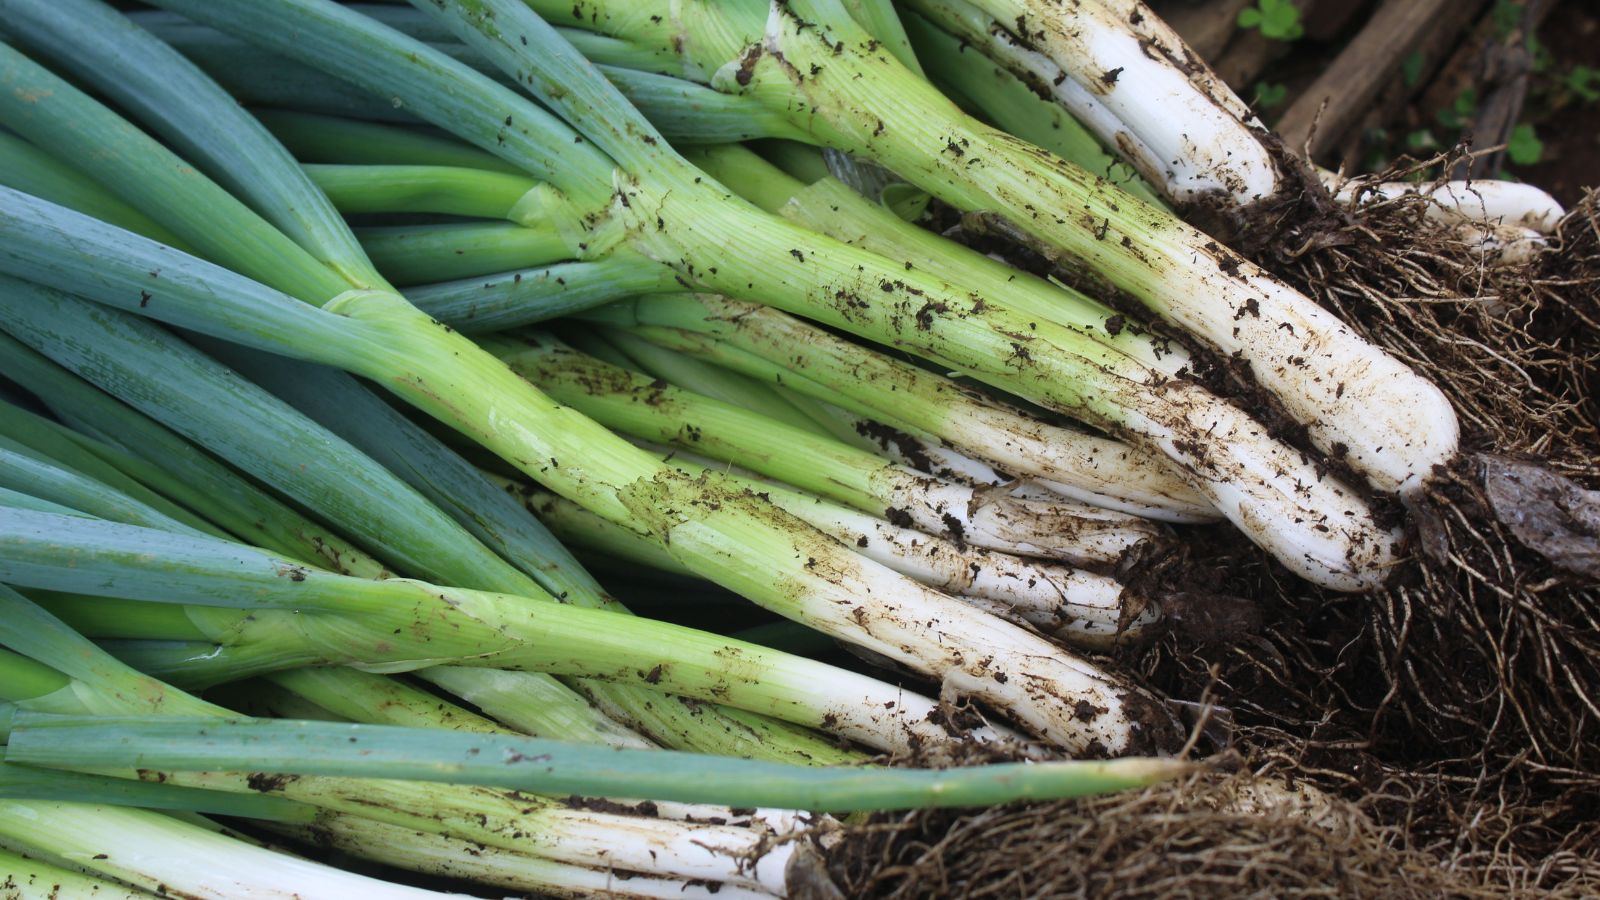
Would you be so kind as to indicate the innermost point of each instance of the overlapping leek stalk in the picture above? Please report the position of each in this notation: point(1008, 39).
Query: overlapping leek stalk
point(375, 333)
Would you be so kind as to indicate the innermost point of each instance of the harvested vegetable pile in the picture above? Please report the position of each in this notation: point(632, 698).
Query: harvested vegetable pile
point(1004, 465)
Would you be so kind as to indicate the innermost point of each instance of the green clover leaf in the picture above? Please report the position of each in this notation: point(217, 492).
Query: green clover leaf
point(1524, 147)
point(1269, 95)
point(1277, 19)
point(1585, 82)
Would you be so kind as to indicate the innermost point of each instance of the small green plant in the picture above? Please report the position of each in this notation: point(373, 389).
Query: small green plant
point(1524, 148)
point(1461, 111)
point(1583, 82)
point(1269, 95)
point(1507, 17)
point(1277, 19)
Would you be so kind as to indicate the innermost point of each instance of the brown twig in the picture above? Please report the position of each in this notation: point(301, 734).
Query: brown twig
point(1507, 65)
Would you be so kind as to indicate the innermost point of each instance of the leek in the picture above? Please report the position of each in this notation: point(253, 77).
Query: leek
point(656, 411)
point(284, 614)
point(376, 333)
point(863, 292)
point(1347, 392)
point(377, 751)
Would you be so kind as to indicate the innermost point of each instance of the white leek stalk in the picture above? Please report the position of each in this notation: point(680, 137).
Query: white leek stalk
point(165, 854)
point(1486, 201)
point(1081, 607)
point(422, 851)
point(1118, 69)
point(541, 828)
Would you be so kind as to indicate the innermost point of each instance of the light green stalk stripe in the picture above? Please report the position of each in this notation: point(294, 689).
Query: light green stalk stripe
point(550, 767)
point(426, 254)
point(579, 527)
point(22, 678)
point(830, 418)
point(613, 53)
point(523, 297)
point(799, 160)
point(656, 411)
point(711, 381)
point(314, 138)
point(879, 19)
point(688, 113)
point(103, 617)
point(538, 705)
point(421, 189)
point(374, 699)
point(526, 703)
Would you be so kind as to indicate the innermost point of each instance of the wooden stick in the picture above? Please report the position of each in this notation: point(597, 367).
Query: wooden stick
point(1509, 64)
point(1343, 93)
point(1435, 49)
